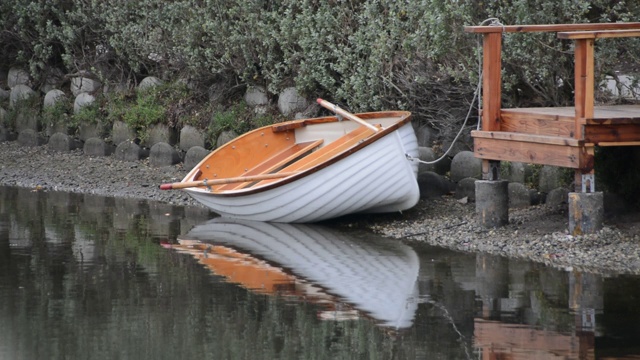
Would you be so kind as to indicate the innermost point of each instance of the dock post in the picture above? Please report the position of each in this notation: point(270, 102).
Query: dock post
point(586, 206)
point(492, 197)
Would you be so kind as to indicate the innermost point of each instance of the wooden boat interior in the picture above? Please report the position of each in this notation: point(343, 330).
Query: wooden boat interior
point(289, 147)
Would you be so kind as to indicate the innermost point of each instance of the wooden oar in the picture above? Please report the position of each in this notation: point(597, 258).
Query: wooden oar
point(329, 106)
point(189, 184)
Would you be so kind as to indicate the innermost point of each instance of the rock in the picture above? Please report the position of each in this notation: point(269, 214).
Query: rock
point(149, 82)
point(53, 96)
point(161, 133)
point(513, 171)
point(432, 185)
point(290, 101)
point(190, 137)
point(519, 196)
point(163, 154)
point(551, 177)
point(466, 188)
point(558, 197)
point(225, 137)
point(465, 165)
point(30, 137)
point(87, 131)
point(97, 147)
point(194, 156)
point(82, 100)
point(121, 132)
point(62, 142)
point(84, 85)
point(129, 151)
point(256, 96)
point(20, 92)
point(426, 154)
point(18, 76)
point(443, 167)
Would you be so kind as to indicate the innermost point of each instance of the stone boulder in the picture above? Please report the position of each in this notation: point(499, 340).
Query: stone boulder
point(82, 100)
point(190, 137)
point(97, 147)
point(53, 96)
point(194, 156)
point(466, 188)
point(433, 185)
point(62, 142)
point(519, 196)
point(84, 85)
point(465, 165)
point(256, 96)
point(20, 92)
point(290, 102)
point(163, 154)
point(18, 76)
point(149, 82)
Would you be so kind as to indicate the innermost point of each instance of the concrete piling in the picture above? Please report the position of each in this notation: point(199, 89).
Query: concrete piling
point(492, 202)
point(586, 212)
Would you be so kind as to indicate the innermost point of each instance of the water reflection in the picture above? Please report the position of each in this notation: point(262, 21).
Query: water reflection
point(372, 276)
point(83, 276)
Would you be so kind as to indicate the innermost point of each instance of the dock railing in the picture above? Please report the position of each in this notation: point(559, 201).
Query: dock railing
point(572, 145)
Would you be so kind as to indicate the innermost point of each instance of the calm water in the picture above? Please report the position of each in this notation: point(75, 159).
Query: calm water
point(87, 277)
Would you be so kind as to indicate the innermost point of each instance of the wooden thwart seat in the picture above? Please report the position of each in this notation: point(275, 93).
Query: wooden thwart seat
point(325, 153)
point(276, 162)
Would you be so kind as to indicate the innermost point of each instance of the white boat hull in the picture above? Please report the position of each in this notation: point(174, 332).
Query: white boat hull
point(377, 178)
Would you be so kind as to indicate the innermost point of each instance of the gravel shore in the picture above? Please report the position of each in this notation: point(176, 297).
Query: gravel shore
point(538, 233)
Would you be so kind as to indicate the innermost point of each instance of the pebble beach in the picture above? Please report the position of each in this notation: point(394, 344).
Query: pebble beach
point(537, 233)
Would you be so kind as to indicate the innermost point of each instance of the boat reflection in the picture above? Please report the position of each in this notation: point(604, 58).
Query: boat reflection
point(349, 276)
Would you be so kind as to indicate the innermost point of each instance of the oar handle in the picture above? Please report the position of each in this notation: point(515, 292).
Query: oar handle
point(336, 109)
point(239, 179)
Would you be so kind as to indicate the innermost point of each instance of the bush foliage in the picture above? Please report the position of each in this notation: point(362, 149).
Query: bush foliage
point(368, 54)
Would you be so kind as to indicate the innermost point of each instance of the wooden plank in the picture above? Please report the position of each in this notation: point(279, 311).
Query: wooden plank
point(538, 124)
point(584, 84)
point(527, 152)
point(598, 34)
point(597, 134)
point(325, 153)
point(552, 27)
point(526, 138)
point(276, 162)
point(491, 82)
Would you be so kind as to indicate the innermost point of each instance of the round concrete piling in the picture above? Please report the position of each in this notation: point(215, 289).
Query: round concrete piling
point(492, 203)
point(586, 212)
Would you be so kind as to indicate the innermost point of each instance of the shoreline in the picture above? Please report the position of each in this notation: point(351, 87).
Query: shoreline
point(537, 233)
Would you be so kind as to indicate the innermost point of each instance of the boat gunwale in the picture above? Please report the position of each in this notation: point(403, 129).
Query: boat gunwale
point(404, 117)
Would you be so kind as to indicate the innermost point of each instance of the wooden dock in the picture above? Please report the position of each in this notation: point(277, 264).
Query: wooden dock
point(559, 136)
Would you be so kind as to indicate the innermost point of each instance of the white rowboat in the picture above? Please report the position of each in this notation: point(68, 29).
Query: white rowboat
point(312, 169)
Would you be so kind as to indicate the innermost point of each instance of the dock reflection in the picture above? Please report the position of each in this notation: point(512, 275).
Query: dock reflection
point(350, 277)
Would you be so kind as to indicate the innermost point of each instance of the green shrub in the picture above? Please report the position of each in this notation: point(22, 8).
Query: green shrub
point(58, 114)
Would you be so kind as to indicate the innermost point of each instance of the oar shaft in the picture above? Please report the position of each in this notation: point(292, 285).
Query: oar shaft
point(189, 184)
point(329, 106)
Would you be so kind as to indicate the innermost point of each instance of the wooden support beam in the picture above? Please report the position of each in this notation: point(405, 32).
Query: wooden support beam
point(552, 27)
point(599, 34)
point(584, 84)
point(545, 150)
point(491, 82)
